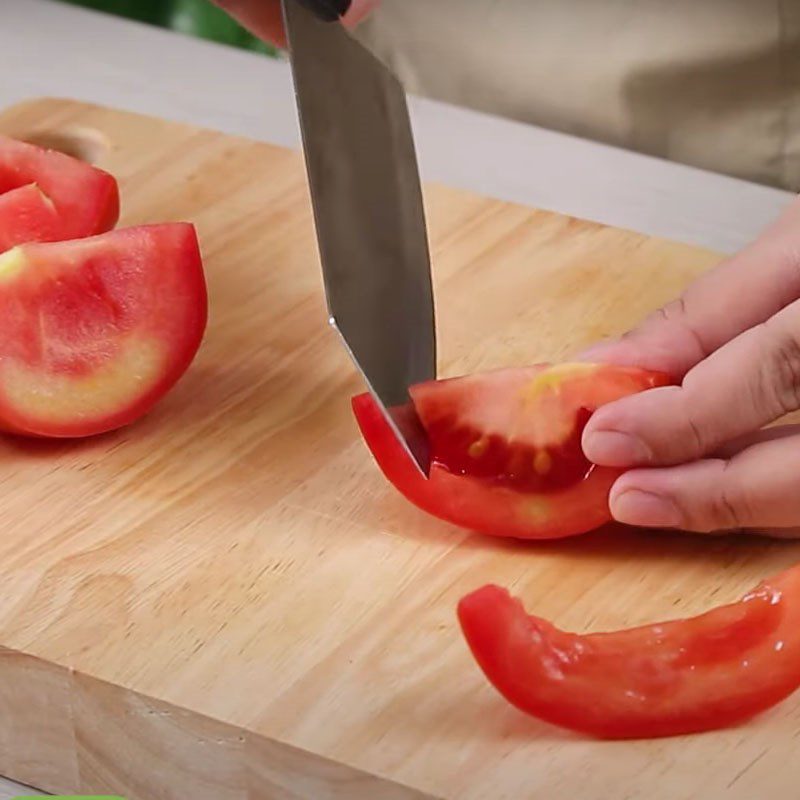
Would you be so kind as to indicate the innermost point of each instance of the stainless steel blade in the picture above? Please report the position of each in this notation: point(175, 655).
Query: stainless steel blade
point(369, 215)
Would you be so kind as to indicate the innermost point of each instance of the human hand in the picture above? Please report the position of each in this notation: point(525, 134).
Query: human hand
point(263, 18)
point(697, 454)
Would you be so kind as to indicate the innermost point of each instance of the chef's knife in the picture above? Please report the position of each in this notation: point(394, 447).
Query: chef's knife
point(368, 210)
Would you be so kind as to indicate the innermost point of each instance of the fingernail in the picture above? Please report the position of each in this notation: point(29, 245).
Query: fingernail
point(615, 449)
point(359, 9)
point(635, 507)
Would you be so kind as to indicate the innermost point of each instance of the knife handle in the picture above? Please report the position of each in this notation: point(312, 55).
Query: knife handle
point(328, 10)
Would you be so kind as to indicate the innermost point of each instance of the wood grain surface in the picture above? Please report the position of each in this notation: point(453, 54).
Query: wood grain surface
point(227, 600)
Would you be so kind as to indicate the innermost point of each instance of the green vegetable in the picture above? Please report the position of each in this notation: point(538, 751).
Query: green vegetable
point(206, 21)
point(153, 11)
point(198, 18)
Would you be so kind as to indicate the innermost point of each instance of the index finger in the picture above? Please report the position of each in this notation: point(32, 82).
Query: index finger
point(264, 18)
point(742, 291)
point(750, 382)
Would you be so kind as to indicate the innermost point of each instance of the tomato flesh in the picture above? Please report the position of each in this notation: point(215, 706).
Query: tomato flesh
point(519, 427)
point(496, 459)
point(96, 330)
point(27, 215)
point(48, 196)
point(677, 677)
point(527, 477)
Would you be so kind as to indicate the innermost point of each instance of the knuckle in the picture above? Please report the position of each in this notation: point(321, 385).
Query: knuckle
point(676, 316)
point(778, 384)
point(728, 507)
point(730, 510)
point(683, 432)
point(674, 311)
point(695, 436)
point(675, 319)
point(681, 435)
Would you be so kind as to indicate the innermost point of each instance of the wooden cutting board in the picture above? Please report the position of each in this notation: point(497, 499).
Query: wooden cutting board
point(227, 601)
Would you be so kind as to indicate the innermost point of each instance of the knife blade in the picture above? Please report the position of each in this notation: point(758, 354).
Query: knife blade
point(369, 214)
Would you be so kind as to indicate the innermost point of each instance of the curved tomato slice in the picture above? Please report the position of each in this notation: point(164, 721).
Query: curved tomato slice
point(48, 196)
point(677, 677)
point(521, 427)
point(505, 444)
point(94, 331)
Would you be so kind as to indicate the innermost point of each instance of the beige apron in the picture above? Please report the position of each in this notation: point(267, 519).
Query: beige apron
point(709, 83)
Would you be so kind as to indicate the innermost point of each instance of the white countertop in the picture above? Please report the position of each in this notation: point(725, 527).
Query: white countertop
point(10, 790)
point(59, 50)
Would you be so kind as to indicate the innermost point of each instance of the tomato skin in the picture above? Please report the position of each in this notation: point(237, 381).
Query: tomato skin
point(82, 199)
point(97, 330)
point(679, 677)
point(473, 504)
point(484, 505)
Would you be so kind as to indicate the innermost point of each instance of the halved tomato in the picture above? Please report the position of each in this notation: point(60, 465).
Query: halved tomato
point(49, 196)
point(506, 447)
point(678, 677)
point(94, 331)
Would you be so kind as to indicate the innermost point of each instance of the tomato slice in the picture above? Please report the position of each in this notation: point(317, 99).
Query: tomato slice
point(49, 196)
point(520, 427)
point(27, 215)
point(505, 446)
point(678, 677)
point(96, 330)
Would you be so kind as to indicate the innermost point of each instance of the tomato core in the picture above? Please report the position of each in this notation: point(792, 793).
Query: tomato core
point(464, 450)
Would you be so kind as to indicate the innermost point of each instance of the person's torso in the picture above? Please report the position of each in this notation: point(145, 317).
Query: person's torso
point(710, 83)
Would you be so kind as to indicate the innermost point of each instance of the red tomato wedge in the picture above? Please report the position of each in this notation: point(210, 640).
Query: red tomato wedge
point(27, 215)
point(678, 677)
point(506, 447)
point(48, 196)
point(96, 330)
